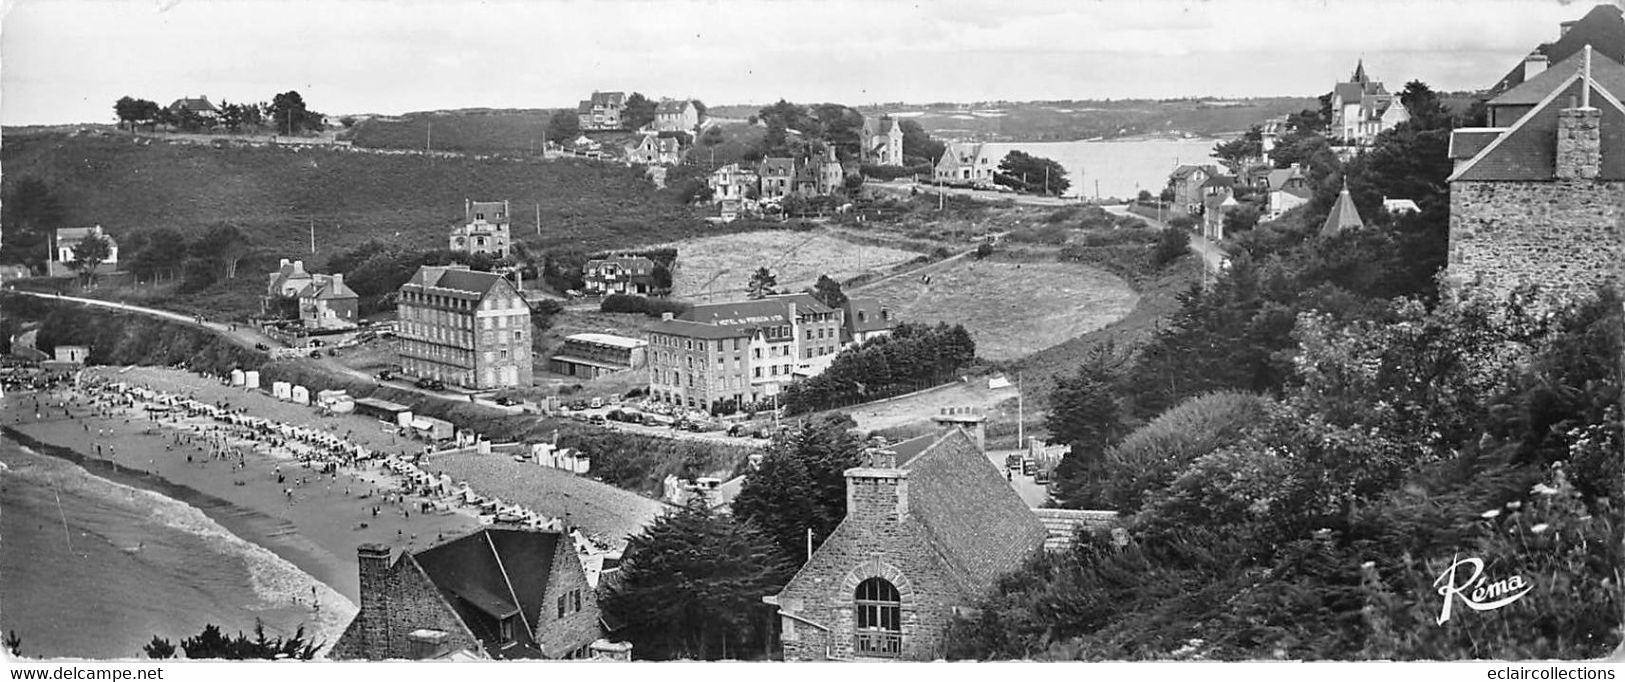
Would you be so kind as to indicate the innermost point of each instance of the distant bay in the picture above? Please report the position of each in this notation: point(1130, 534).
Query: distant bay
point(1121, 167)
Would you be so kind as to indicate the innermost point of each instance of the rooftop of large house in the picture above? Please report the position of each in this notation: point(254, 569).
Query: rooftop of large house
point(778, 166)
point(867, 315)
point(1603, 28)
point(632, 265)
point(327, 287)
point(672, 106)
point(456, 280)
point(1527, 149)
point(478, 576)
point(71, 236)
point(197, 105)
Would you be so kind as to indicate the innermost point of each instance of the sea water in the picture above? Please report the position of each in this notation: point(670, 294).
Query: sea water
point(94, 568)
point(1122, 168)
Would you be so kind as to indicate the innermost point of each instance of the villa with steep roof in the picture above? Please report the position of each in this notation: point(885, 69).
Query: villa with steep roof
point(463, 327)
point(485, 229)
point(931, 525)
point(676, 115)
point(1362, 107)
point(601, 112)
point(491, 594)
point(883, 141)
point(1535, 197)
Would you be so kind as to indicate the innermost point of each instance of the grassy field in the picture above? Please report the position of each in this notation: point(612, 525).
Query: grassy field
point(1011, 309)
point(276, 195)
point(479, 131)
point(722, 264)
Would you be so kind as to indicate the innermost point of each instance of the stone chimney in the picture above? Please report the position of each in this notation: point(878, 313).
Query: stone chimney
point(299, 265)
point(969, 418)
point(427, 644)
point(284, 263)
point(879, 491)
point(338, 279)
point(373, 561)
point(1533, 65)
point(1579, 134)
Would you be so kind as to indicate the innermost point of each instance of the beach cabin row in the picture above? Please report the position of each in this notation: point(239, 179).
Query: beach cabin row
point(245, 379)
point(548, 454)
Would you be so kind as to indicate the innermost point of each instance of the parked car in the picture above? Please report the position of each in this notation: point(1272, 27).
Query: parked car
point(315, 355)
point(316, 343)
point(431, 384)
point(596, 420)
point(385, 375)
point(261, 346)
point(505, 401)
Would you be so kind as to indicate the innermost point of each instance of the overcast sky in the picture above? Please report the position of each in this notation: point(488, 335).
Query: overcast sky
point(66, 61)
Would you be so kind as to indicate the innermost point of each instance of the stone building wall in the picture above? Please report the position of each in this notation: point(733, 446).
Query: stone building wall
point(395, 602)
point(559, 637)
point(1565, 235)
point(877, 539)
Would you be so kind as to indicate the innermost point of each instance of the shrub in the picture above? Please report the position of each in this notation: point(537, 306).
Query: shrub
point(1054, 235)
point(624, 303)
point(1148, 459)
point(1118, 237)
point(1173, 243)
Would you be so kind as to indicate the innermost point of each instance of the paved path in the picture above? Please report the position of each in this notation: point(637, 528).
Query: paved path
point(1212, 256)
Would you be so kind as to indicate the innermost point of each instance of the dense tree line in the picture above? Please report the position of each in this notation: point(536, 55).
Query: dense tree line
point(913, 357)
point(633, 303)
point(1300, 441)
point(285, 113)
point(1314, 525)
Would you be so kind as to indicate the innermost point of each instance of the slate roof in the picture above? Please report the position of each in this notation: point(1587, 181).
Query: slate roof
point(70, 236)
point(194, 104)
point(1607, 72)
point(608, 99)
point(971, 515)
point(1348, 92)
point(1279, 177)
point(1603, 28)
point(491, 574)
point(864, 315)
point(327, 288)
point(671, 106)
point(778, 166)
point(1344, 216)
point(293, 270)
point(698, 330)
point(1466, 142)
point(455, 281)
point(632, 265)
point(805, 302)
point(740, 316)
point(1185, 170)
point(1220, 181)
point(1527, 151)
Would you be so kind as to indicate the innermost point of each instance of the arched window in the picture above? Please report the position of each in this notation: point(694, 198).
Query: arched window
point(880, 619)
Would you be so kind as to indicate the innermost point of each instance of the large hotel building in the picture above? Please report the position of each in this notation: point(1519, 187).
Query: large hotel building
point(747, 352)
point(464, 327)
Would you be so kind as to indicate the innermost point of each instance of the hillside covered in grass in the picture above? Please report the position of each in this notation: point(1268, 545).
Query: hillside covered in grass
point(275, 195)
point(475, 131)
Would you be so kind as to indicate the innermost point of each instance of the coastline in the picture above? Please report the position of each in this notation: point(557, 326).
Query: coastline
point(316, 530)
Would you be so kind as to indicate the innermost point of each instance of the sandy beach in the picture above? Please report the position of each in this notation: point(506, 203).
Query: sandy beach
point(317, 528)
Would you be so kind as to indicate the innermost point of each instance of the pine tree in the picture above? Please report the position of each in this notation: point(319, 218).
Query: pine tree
point(692, 586)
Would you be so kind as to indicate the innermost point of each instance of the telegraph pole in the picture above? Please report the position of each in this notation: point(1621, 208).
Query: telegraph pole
point(312, 235)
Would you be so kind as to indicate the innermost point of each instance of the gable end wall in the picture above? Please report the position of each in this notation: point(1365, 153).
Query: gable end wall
point(1564, 235)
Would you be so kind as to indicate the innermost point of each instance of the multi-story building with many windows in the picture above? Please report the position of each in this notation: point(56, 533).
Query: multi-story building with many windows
point(741, 352)
point(464, 327)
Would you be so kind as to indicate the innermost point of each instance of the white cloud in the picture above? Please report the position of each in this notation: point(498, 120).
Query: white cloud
point(67, 60)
